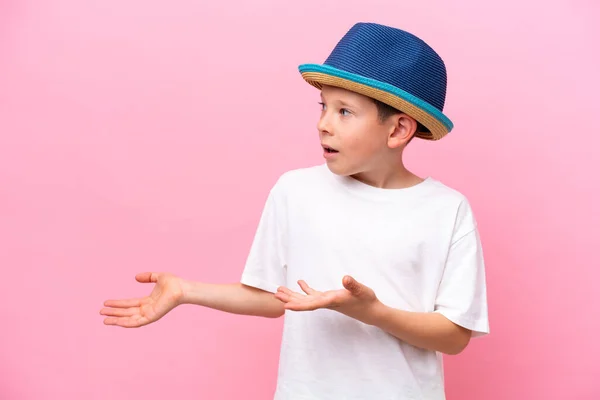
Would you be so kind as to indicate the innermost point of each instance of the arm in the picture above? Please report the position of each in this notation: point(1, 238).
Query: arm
point(233, 298)
point(431, 331)
point(169, 291)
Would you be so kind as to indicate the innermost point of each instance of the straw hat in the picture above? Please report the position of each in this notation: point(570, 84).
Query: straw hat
point(392, 66)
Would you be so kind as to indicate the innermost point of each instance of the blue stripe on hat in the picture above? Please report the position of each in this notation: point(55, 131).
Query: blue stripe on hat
point(325, 69)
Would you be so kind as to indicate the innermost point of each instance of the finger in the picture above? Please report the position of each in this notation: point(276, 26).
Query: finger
point(304, 286)
point(124, 322)
point(352, 285)
point(123, 303)
point(283, 289)
point(295, 295)
point(307, 305)
point(147, 277)
point(120, 312)
point(310, 303)
point(284, 297)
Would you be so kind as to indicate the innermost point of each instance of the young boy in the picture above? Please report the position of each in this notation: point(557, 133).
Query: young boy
point(377, 270)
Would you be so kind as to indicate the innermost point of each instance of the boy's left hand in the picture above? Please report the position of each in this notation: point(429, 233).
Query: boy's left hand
point(355, 300)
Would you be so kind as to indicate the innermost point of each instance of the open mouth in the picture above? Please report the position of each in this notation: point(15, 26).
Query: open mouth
point(329, 149)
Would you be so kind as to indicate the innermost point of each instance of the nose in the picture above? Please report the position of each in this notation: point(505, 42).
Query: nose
point(323, 125)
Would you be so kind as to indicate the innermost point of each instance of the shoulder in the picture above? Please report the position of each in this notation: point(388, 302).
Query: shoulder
point(457, 203)
point(300, 179)
point(443, 192)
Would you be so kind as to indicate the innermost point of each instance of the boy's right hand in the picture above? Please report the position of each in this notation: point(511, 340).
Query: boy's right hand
point(132, 313)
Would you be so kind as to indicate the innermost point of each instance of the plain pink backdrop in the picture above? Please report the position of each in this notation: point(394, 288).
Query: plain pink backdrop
point(144, 135)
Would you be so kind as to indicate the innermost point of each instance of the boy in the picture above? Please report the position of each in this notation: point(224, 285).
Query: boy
point(389, 265)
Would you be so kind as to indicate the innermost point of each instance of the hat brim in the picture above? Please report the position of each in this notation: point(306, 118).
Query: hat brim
point(434, 120)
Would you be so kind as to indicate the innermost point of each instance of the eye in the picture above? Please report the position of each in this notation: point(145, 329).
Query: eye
point(322, 106)
point(344, 110)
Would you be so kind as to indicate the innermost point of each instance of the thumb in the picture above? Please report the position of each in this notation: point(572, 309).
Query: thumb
point(352, 285)
point(147, 277)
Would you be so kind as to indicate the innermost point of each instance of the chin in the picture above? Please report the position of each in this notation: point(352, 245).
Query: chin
point(339, 170)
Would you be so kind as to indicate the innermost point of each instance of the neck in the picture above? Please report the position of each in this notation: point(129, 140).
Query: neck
point(389, 175)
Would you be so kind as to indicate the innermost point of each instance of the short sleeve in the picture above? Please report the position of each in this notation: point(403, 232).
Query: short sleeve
point(265, 264)
point(462, 293)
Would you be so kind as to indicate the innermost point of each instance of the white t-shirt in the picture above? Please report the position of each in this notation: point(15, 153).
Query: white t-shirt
point(419, 250)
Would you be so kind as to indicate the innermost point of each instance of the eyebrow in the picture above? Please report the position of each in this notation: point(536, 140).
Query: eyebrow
point(343, 103)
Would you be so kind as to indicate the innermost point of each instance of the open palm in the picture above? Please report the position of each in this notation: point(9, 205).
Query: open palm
point(312, 299)
point(133, 313)
point(354, 300)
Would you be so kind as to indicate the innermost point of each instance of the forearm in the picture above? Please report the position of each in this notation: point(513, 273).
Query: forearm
point(234, 298)
point(430, 331)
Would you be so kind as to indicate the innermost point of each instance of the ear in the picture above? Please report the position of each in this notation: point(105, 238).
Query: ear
point(402, 129)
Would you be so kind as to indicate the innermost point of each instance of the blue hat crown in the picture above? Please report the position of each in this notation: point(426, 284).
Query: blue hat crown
point(395, 57)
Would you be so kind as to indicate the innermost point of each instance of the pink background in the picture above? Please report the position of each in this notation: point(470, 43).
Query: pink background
point(144, 135)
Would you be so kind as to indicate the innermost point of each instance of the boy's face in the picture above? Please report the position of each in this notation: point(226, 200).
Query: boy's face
point(354, 139)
